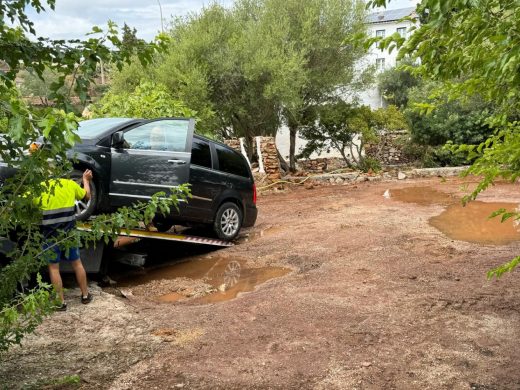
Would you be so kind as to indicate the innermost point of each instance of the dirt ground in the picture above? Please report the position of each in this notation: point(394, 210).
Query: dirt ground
point(376, 298)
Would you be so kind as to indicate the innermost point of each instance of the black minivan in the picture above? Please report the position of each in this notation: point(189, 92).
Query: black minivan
point(132, 159)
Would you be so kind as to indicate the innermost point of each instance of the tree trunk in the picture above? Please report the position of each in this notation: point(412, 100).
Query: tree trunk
point(293, 130)
point(250, 147)
point(283, 163)
point(345, 158)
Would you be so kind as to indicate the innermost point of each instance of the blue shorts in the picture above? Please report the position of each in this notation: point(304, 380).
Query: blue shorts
point(57, 254)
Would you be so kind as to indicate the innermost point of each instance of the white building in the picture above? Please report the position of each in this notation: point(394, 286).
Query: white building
point(383, 24)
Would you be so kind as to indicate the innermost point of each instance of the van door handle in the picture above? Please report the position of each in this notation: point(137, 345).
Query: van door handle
point(180, 162)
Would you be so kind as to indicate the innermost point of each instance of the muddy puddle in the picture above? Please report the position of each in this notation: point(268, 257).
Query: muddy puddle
point(472, 223)
point(466, 223)
point(420, 195)
point(221, 279)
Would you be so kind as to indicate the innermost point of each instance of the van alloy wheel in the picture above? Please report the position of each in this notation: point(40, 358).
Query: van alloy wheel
point(228, 221)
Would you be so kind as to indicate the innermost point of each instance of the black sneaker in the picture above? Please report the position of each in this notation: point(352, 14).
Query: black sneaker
point(87, 299)
point(62, 307)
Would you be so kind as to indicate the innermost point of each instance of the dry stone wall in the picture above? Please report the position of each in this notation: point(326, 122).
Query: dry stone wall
point(322, 164)
point(269, 165)
point(389, 150)
point(233, 143)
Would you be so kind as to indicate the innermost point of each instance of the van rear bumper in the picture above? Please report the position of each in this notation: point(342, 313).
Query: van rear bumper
point(250, 216)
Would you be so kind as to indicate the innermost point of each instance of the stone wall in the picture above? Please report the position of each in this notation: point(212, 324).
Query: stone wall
point(271, 163)
point(233, 143)
point(389, 150)
point(269, 167)
point(322, 164)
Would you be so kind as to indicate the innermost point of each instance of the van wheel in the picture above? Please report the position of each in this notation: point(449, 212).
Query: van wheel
point(228, 221)
point(84, 209)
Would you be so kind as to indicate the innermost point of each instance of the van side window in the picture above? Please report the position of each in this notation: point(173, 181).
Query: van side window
point(230, 161)
point(162, 135)
point(200, 153)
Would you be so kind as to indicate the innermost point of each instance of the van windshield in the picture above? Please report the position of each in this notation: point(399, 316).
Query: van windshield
point(93, 128)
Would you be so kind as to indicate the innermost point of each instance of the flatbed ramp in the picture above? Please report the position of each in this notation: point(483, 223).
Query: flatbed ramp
point(92, 256)
point(141, 233)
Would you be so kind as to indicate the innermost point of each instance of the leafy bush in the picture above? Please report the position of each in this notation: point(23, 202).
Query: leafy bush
point(370, 164)
point(434, 156)
point(147, 100)
point(435, 120)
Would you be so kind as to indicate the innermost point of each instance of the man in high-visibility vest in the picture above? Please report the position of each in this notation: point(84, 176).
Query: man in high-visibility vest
point(58, 205)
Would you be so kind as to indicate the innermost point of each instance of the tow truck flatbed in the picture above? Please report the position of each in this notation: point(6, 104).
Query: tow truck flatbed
point(93, 256)
point(141, 233)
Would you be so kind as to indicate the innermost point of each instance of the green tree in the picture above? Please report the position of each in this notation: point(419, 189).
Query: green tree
point(395, 83)
point(478, 43)
point(77, 61)
point(328, 36)
point(248, 69)
point(230, 67)
point(40, 87)
point(341, 126)
point(347, 128)
point(129, 40)
point(148, 100)
point(461, 120)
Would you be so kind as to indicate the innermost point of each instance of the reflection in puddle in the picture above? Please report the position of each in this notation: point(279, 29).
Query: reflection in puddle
point(227, 276)
point(247, 281)
point(420, 195)
point(472, 223)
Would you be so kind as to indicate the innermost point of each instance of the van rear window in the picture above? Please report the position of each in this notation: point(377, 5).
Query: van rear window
point(230, 161)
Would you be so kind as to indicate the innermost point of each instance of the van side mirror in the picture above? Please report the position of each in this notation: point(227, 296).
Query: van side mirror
point(118, 139)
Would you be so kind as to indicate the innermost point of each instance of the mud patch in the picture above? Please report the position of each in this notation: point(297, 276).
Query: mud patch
point(256, 234)
point(179, 337)
point(472, 223)
point(209, 280)
point(304, 263)
point(424, 196)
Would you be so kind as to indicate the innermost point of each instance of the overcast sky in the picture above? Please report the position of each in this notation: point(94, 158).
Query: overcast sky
point(73, 19)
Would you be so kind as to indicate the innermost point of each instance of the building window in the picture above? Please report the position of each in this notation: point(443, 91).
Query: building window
point(379, 34)
point(402, 32)
point(380, 64)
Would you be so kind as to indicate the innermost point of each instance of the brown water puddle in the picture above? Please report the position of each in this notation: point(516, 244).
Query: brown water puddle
point(471, 223)
point(420, 195)
point(227, 276)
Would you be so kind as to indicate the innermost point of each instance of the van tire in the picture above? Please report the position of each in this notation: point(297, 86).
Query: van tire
point(228, 221)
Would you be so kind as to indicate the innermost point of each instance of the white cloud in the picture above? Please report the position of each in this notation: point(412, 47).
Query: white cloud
point(73, 19)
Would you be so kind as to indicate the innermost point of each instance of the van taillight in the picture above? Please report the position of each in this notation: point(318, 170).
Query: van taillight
point(254, 193)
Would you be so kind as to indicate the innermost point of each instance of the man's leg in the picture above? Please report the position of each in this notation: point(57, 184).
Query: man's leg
point(81, 276)
point(54, 273)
